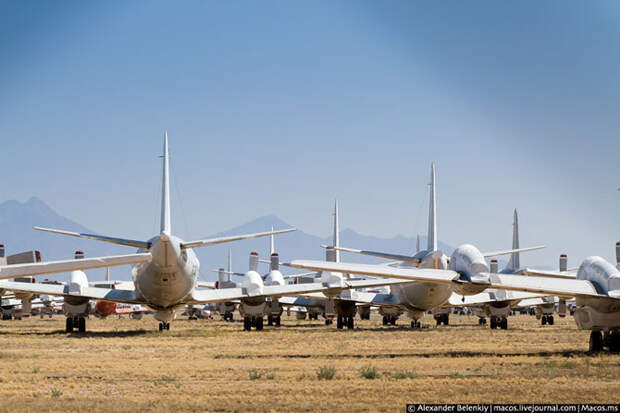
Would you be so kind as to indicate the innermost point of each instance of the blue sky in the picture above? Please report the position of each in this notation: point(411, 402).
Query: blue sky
point(279, 107)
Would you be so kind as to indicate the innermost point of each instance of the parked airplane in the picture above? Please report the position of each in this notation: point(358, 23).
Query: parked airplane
point(166, 271)
point(418, 297)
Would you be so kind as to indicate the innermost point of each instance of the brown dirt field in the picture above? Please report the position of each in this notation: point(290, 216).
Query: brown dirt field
point(125, 365)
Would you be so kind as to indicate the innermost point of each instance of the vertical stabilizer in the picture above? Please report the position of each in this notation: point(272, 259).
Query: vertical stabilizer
point(165, 191)
point(272, 244)
point(229, 264)
point(336, 231)
point(514, 263)
point(432, 218)
point(417, 244)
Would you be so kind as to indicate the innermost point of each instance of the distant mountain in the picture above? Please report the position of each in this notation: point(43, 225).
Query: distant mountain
point(17, 220)
point(298, 244)
point(16, 233)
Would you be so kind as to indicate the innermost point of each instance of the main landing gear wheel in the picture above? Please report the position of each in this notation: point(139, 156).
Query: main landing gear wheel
point(247, 323)
point(164, 326)
point(339, 323)
point(596, 342)
point(269, 320)
point(385, 320)
point(350, 323)
point(69, 325)
point(415, 325)
point(504, 324)
point(493, 323)
point(82, 325)
point(277, 321)
point(259, 323)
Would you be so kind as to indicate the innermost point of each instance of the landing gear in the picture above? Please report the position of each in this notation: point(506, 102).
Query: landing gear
point(416, 324)
point(82, 325)
point(596, 342)
point(270, 320)
point(69, 325)
point(164, 326)
point(329, 321)
point(482, 321)
point(249, 322)
point(277, 321)
point(504, 324)
point(442, 318)
point(342, 321)
point(547, 319)
point(228, 317)
point(389, 319)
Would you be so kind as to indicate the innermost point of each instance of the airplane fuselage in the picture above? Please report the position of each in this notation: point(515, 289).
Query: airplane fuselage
point(168, 279)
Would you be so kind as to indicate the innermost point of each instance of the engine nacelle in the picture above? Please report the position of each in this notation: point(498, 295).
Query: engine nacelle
point(494, 268)
point(78, 283)
point(469, 262)
point(253, 283)
point(604, 276)
point(563, 262)
point(274, 278)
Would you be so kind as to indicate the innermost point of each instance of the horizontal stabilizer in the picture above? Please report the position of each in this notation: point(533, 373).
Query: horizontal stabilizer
point(506, 252)
point(119, 241)
point(385, 255)
point(222, 240)
point(51, 267)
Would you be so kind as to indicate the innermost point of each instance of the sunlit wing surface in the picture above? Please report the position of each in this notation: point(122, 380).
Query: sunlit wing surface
point(506, 252)
point(413, 274)
point(379, 254)
point(554, 274)
point(488, 297)
point(227, 294)
point(119, 296)
point(542, 285)
point(119, 241)
point(51, 267)
point(222, 240)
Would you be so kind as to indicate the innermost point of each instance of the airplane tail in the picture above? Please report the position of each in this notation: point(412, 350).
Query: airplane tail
point(432, 218)
point(514, 263)
point(336, 232)
point(165, 191)
point(618, 255)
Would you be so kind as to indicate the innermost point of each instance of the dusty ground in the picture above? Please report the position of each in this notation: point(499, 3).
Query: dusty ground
point(125, 365)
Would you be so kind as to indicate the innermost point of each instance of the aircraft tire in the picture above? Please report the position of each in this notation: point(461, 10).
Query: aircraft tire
point(278, 321)
point(69, 325)
point(247, 324)
point(385, 320)
point(550, 320)
point(350, 323)
point(269, 320)
point(393, 321)
point(339, 322)
point(543, 321)
point(493, 323)
point(596, 342)
point(504, 324)
point(446, 319)
point(82, 325)
point(259, 323)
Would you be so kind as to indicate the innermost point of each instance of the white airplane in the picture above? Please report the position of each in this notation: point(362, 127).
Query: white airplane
point(423, 295)
point(596, 288)
point(165, 273)
point(498, 304)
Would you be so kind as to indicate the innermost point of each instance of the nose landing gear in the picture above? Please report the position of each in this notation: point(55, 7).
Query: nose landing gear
point(164, 326)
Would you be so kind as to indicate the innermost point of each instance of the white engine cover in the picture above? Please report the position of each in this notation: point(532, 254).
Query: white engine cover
point(253, 283)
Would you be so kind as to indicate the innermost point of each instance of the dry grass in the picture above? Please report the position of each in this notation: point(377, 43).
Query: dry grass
point(125, 365)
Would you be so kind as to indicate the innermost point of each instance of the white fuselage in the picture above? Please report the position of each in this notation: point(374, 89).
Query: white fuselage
point(424, 296)
point(594, 313)
point(168, 279)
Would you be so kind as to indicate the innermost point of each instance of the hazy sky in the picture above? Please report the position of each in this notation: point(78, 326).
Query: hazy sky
point(279, 107)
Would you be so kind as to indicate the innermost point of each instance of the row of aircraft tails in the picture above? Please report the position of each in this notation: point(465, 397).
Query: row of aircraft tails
point(165, 281)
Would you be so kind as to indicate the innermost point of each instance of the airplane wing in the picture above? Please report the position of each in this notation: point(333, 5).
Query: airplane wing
point(488, 297)
point(93, 293)
point(221, 240)
point(541, 285)
point(506, 252)
point(411, 274)
point(379, 254)
point(119, 241)
point(554, 274)
point(228, 294)
point(51, 267)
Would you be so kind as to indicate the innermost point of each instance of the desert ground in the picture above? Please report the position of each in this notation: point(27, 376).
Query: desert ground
point(126, 365)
